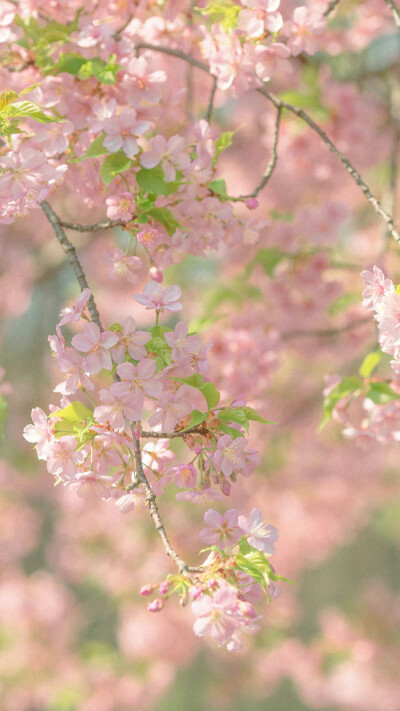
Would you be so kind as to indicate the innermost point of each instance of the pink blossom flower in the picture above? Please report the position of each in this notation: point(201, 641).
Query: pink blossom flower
point(388, 318)
point(73, 364)
point(62, 459)
point(173, 406)
point(376, 286)
point(156, 455)
point(150, 238)
point(117, 408)
point(222, 530)
point(121, 207)
point(54, 137)
point(138, 381)
point(155, 297)
point(120, 265)
point(180, 342)
point(131, 341)
point(89, 485)
point(185, 476)
point(141, 84)
point(303, 29)
point(229, 456)
point(122, 132)
point(259, 15)
point(40, 432)
point(96, 345)
point(130, 502)
point(217, 614)
point(73, 312)
point(169, 153)
point(259, 534)
point(200, 496)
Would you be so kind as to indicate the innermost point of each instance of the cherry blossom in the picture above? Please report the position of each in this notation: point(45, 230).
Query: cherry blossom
point(121, 207)
point(221, 529)
point(154, 297)
point(130, 341)
point(303, 29)
point(97, 347)
point(122, 132)
point(121, 266)
point(260, 535)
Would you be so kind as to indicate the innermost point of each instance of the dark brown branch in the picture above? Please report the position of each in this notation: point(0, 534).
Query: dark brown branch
point(155, 515)
point(279, 103)
point(271, 165)
point(395, 12)
point(331, 7)
point(106, 225)
point(325, 332)
point(72, 257)
point(169, 435)
point(210, 107)
point(349, 167)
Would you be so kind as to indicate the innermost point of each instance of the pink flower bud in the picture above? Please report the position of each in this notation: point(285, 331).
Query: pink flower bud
point(156, 274)
point(163, 587)
point(156, 605)
point(147, 590)
point(251, 203)
point(247, 609)
point(197, 449)
point(195, 591)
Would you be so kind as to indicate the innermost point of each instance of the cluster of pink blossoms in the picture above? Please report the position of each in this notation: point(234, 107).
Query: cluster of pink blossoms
point(158, 376)
point(91, 447)
point(230, 581)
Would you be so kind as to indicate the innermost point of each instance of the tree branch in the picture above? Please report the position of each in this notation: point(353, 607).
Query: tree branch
point(349, 167)
point(170, 435)
point(395, 12)
point(331, 7)
point(72, 257)
point(325, 332)
point(211, 101)
point(106, 225)
point(271, 164)
point(155, 515)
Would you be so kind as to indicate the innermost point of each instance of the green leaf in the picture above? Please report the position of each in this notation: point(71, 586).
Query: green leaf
point(165, 217)
point(233, 414)
point(351, 385)
point(95, 149)
point(7, 97)
point(211, 395)
point(268, 258)
point(342, 302)
point(223, 12)
point(3, 415)
point(152, 180)
point(223, 142)
point(196, 418)
point(251, 414)
point(27, 109)
point(75, 412)
point(218, 187)
point(231, 431)
point(70, 63)
point(369, 363)
point(114, 164)
point(381, 393)
point(195, 381)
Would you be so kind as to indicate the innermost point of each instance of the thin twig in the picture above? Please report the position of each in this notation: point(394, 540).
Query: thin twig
point(395, 12)
point(279, 103)
point(271, 164)
point(170, 435)
point(325, 332)
point(155, 515)
point(106, 225)
point(331, 7)
point(72, 257)
point(210, 107)
point(349, 167)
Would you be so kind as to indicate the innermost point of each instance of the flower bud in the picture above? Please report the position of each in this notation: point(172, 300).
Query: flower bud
point(156, 274)
point(147, 589)
point(164, 586)
point(156, 605)
point(195, 592)
point(251, 203)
